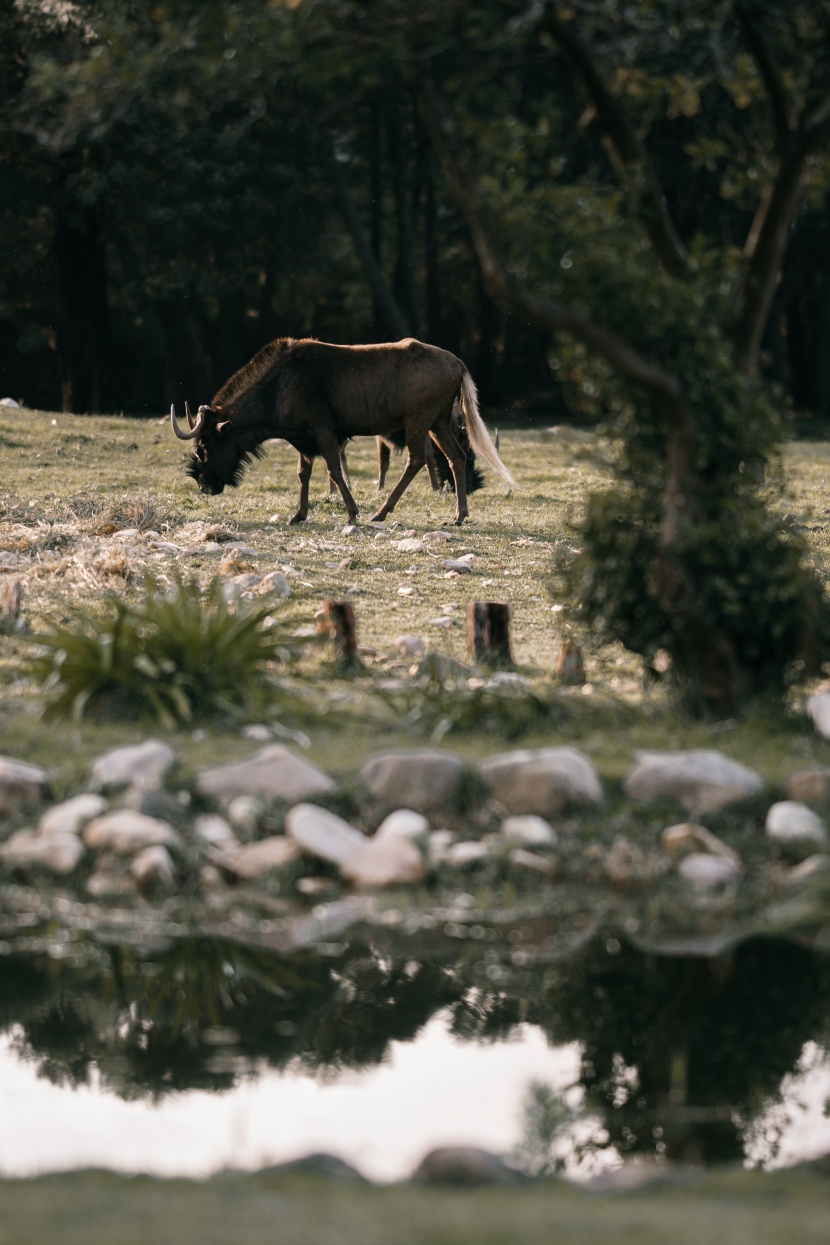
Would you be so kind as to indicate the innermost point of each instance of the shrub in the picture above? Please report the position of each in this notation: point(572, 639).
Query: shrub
point(180, 654)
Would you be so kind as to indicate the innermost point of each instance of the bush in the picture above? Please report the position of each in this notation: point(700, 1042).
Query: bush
point(179, 655)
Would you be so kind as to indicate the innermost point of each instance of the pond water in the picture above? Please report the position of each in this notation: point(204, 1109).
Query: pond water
point(205, 1054)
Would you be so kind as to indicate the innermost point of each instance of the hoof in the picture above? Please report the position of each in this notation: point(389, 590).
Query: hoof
point(378, 518)
point(298, 518)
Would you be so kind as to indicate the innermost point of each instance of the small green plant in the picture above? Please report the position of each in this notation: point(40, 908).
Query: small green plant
point(180, 654)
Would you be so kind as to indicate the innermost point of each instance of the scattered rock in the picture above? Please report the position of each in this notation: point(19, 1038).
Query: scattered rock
point(810, 786)
point(438, 845)
point(409, 646)
point(22, 786)
point(59, 852)
point(531, 862)
point(275, 771)
point(255, 860)
point(458, 565)
point(323, 834)
point(542, 780)
point(410, 545)
point(126, 831)
point(529, 829)
point(403, 823)
point(423, 780)
point(706, 871)
point(441, 667)
point(152, 871)
point(276, 582)
point(466, 854)
point(322, 1164)
point(71, 816)
point(702, 780)
point(795, 827)
point(818, 708)
point(390, 861)
point(258, 731)
point(439, 537)
point(138, 765)
point(313, 886)
point(466, 1165)
point(154, 803)
point(687, 837)
point(104, 884)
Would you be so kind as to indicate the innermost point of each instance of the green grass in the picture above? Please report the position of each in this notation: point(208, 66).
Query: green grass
point(70, 483)
point(95, 1208)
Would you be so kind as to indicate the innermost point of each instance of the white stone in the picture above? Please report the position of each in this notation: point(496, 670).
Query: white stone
point(126, 832)
point(705, 870)
point(466, 854)
point(806, 870)
point(818, 708)
point(21, 785)
point(529, 829)
point(254, 860)
point(438, 536)
point(104, 884)
point(410, 545)
point(438, 845)
point(404, 823)
point(459, 565)
point(276, 771)
point(71, 816)
point(390, 861)
point(258, 731)
point(409, 646)
point(58, 852)
point(790, 823)
point(532, 862)
point(245, 812)
point(323, 834)
point(213, 829)
point(276, 582)
point(12, 405)
point(542, 780)
point(152, 869)
point(422, 780)
point(687, 837)
point(702, 780)
point(138, 765)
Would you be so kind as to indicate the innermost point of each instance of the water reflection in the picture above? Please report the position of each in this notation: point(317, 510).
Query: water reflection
point(681, 1058)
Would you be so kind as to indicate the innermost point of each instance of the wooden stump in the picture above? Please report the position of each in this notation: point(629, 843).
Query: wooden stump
point(488, 633)
point(570, 667)
point(338, 622)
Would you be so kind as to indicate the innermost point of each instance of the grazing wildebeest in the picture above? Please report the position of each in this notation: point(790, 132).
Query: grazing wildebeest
point(317, 396)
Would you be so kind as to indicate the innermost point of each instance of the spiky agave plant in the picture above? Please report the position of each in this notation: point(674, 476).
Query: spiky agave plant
point(180, 654)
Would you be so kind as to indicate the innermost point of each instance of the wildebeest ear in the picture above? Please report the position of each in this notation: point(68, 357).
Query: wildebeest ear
point(223, 427)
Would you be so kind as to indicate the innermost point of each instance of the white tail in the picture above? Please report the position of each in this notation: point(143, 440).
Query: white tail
point(477, 432)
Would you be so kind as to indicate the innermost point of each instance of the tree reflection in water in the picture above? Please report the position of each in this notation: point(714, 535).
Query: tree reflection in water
point(679, 1056)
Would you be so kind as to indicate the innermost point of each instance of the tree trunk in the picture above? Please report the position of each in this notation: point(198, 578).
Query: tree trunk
point(83, 329)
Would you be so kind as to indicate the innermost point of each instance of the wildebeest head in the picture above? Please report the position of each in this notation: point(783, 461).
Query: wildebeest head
point(218, 457)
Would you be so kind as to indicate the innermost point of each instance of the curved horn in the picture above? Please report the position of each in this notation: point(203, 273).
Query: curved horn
point(194, 431)
point(190, 420)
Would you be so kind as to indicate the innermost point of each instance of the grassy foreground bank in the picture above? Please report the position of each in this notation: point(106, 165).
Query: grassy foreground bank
point(98, 1208)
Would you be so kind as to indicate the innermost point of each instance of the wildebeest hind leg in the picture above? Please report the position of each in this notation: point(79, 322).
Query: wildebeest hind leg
point(304, 475)
point(443, 437)
point(416, 457)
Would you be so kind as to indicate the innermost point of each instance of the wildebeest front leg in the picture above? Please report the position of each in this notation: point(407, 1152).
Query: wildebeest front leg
point(416, 457)
point(442, 435)
point(332, 454)
point(304, 466)
point(345, 469)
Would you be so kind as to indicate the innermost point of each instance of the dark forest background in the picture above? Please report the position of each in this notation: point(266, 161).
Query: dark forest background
point(181, 183)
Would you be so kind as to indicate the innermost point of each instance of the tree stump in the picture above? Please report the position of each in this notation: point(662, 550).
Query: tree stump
point(570, 667)
point(488, 633)
point(338, 622)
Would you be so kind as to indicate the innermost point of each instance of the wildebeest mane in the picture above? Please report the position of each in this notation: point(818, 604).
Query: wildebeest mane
point(253, 373)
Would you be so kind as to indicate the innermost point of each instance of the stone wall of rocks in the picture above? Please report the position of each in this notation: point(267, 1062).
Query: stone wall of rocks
point(134, 832)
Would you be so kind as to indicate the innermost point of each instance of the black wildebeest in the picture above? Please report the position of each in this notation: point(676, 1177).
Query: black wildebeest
point(317, 396)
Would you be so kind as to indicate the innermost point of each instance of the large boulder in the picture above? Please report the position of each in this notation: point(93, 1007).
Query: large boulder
point(126, 832)
point(322, 834)
point(22, 786)
point(275, 772)
point(71, 816)
point(422, 780)
point(136, 765)
point(543, 781)
point(702, 780)
point(60, 853)
point(390, 861)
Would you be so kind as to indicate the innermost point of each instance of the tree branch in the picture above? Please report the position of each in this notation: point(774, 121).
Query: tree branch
point(761, 54)
point(625, 149)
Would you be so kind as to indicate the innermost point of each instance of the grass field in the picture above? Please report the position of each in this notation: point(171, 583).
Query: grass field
point(72, 484)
